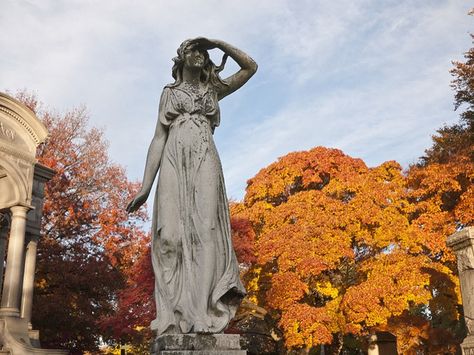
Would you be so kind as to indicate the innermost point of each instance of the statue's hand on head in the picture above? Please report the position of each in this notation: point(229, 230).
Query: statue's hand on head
point(203, 43)
point(138, 201)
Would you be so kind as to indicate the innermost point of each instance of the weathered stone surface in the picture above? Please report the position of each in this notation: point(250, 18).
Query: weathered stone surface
point(198, 341)
point(462, 243)
point(203, 352)
point(467, 345)
point(192, 253)
point(197, 344)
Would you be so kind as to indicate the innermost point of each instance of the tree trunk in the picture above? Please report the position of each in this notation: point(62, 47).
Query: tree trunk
point(339, 344)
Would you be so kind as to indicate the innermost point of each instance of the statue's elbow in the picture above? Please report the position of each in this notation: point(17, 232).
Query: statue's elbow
point(254, 67)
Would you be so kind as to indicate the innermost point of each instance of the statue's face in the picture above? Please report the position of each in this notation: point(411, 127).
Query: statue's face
point(193, 58)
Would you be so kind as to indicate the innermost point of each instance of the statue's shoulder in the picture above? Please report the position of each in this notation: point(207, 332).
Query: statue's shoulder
point(167, 90)
point(169, 87)
point(170, 90)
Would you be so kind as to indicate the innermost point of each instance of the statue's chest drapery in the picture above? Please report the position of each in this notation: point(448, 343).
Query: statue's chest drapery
point(203, 103)
point(178, 105)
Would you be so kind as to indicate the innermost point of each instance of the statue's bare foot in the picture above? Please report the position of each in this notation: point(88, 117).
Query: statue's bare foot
point(203, 326)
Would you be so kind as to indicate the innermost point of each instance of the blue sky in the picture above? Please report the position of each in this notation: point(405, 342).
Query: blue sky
point(368, 77)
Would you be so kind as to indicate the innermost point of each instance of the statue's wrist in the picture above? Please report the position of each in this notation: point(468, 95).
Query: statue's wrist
point(219, 44)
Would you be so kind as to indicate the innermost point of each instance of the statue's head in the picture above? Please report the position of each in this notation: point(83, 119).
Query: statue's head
point(185, 51)
point(189, 54)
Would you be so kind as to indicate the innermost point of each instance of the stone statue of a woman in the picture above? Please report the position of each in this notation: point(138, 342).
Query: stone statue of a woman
point(197, 288)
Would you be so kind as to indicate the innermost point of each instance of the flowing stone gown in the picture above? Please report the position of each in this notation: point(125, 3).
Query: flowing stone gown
point(191, 223)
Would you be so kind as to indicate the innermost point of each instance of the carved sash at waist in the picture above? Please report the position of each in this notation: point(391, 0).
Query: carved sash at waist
point(199, 120)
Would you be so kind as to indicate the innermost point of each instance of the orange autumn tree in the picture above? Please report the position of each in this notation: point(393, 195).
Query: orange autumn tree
point(337, 253)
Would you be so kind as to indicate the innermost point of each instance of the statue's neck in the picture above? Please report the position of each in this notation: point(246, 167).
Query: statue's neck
point(192, 75)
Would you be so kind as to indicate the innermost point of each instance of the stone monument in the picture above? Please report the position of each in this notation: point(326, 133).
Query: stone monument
point(22, 182)
point(462, 243)
point(198, 288)
point(382, 343)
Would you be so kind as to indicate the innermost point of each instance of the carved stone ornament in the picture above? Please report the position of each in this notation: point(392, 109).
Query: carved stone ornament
point(20, 134)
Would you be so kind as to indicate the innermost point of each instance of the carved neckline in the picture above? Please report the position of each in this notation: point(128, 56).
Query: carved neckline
point(189, 89)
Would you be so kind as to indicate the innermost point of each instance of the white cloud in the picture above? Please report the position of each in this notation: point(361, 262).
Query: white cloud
point(369, 77)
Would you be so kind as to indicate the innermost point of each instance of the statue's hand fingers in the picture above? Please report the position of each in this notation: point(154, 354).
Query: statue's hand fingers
point(204, 43)
point(131, 207)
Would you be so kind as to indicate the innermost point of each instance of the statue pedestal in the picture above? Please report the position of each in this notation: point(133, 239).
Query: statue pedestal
point(197, 344)
point(467, 345)
point(462, 242)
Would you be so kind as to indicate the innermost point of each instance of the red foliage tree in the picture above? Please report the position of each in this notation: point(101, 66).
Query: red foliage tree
point(243, 239)
point(88, 242)
point(135, 305)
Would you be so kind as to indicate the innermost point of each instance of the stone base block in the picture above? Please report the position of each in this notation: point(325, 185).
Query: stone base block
point(197, 344)
point(14, 336)
point(203, 352)
point(467, 345)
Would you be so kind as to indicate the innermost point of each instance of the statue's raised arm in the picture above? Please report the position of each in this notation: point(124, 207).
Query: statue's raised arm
point(248, 66)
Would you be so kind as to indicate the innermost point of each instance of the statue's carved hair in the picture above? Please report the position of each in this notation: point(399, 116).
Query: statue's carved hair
point(210, 72)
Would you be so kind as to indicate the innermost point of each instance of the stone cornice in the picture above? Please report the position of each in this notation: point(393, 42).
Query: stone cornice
point(25, 125)
point(461, 239)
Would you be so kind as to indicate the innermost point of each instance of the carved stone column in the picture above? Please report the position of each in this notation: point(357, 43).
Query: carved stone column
point(462, 243)
point(29, 279)
point(4, 227)
point(13, 275)
point(42, 175)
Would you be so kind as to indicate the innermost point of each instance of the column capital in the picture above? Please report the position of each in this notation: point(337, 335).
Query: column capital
point(19, 211)
point(31, 238)
point(461, 239)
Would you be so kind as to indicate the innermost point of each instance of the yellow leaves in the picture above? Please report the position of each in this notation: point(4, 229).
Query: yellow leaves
point(297, 233)
point(326, 289)
point(395, 282)
point(253, 285)
point(41, 283)
point(306, 326)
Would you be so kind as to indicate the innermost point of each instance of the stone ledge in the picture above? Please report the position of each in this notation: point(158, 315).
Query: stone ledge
point(461, 239)
point(202, 352)
point(197, 344)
